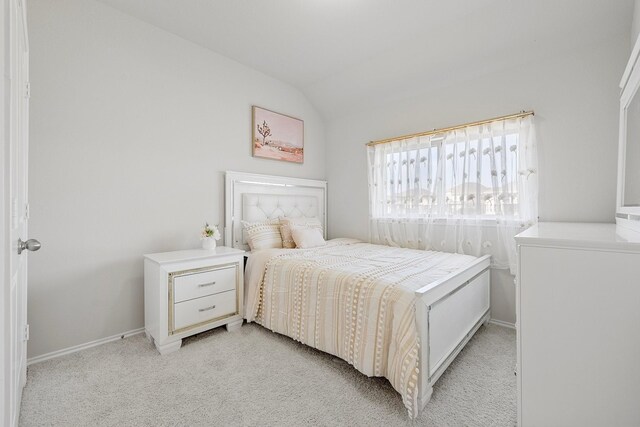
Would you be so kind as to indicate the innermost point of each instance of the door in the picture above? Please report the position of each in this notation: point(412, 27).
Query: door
point(15, 156)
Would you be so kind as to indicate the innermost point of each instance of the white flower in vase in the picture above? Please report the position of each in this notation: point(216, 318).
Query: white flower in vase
point(209, 235)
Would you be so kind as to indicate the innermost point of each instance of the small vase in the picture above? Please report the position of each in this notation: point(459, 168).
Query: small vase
point(209, 243)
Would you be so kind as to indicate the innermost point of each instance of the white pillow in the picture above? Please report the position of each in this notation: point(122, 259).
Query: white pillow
point(263, 234)
point(307, 237)
point(285, 228)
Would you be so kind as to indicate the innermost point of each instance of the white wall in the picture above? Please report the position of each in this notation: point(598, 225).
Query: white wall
point(635, 23)
point(132, 127)
point(575, 97)
point(131, 130)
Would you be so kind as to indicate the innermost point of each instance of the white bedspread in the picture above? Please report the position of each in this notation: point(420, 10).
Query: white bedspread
point(350, 299)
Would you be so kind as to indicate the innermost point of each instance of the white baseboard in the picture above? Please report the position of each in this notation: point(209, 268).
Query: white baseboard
point(84, 346)
point(132, 332)
point(503, 324)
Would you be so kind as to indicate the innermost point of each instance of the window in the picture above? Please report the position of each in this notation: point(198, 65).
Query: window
point(468, 190)
point(466, 173)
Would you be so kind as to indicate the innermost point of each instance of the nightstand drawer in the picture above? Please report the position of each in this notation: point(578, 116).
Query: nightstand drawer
point(200, 310)
point(196, 285)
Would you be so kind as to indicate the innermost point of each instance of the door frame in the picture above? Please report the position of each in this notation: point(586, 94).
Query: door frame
point(4, 218)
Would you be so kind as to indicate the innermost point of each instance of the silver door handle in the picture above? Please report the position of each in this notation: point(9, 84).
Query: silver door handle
point(207, 308)
point(30, 245)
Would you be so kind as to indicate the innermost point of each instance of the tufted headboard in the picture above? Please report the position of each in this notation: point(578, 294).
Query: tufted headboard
point(253, 197)
point(258, 207)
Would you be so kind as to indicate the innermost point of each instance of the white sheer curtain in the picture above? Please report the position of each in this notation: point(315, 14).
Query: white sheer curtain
point(466, 191)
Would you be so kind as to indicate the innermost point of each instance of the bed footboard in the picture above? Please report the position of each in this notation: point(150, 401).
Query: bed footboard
point(448, 313)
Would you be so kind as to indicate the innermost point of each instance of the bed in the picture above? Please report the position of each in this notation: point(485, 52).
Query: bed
point(397, 313)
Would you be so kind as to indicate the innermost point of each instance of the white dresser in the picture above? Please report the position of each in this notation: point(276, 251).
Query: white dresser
point(187, 292)
point(578, 321)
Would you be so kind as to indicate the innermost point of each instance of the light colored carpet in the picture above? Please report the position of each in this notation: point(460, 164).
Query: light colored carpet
point(255, 377)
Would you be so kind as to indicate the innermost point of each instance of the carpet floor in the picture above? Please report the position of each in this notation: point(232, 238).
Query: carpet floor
point(255, 377)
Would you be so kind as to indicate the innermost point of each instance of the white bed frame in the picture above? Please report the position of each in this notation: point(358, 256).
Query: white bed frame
point(448, 312)
point(252, 197)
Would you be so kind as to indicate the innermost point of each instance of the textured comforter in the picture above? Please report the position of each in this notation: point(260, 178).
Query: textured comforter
point(351, 299)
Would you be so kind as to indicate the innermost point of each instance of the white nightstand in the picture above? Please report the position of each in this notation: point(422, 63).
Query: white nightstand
point(188, 292)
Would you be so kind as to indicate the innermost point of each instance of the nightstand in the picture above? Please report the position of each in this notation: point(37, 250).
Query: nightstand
point(191, 291)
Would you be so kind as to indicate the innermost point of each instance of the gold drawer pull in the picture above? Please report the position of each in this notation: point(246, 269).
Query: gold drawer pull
point(206, 284)
point(207, 308)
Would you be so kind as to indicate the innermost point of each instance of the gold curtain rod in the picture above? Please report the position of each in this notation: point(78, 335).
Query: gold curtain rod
point(443, 130)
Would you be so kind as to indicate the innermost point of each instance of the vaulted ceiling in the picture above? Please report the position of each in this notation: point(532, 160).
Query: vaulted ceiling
point(343, 54)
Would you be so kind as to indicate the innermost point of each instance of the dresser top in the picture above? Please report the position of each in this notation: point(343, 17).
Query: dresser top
point(580, 235)
point(192, 254)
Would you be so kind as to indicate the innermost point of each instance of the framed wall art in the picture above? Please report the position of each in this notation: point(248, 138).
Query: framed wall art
point(277, 136)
